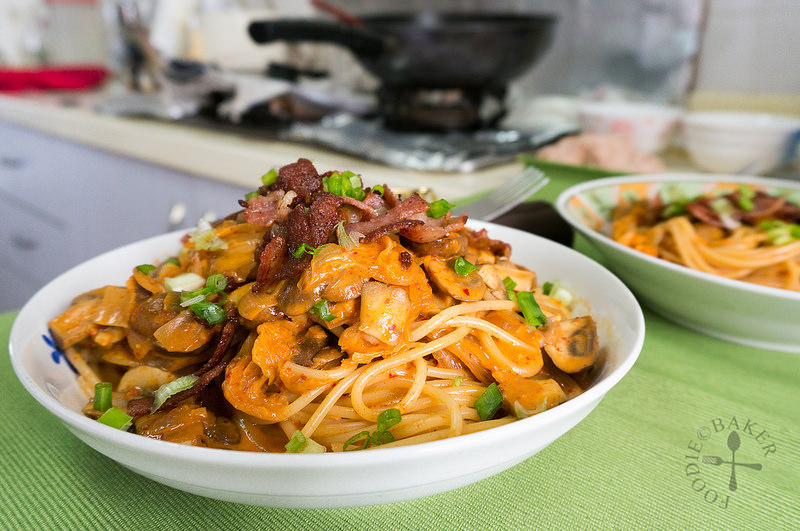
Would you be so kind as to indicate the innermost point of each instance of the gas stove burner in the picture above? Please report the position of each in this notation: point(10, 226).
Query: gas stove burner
point(440, 109)
point(454, 151)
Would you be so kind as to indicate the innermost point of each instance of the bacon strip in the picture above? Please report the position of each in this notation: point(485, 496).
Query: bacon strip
point(264, 210)
point(312, 228)
point(480, 240)
point(433, 229)
point(269, 262)
point(404, 211)
point(300, 176)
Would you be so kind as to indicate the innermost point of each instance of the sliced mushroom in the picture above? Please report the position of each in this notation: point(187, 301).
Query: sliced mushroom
point(448, 247)
point(527, 397)
point(493, 275)
point(312, 342)
point(468, 287)
point(143, 378)
point(572, 344)
point(154, 312)
point(183, 334)
point(295, 301)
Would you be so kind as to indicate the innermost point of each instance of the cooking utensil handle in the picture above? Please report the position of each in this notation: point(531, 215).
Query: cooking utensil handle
point(358, 41)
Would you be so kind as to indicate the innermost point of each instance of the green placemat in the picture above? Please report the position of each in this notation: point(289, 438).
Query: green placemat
point(560, 170)
point(628, 465)
point(561, 177)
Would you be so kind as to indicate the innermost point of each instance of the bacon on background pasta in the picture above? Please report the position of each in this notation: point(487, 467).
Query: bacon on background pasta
point(744, 234)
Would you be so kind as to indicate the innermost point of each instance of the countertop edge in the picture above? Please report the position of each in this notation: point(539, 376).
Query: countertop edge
point(209, 153)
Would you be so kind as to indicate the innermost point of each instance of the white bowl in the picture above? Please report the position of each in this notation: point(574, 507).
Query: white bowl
point(733, 142)
point(733, 310)
point(649, 125)
point(328, 480)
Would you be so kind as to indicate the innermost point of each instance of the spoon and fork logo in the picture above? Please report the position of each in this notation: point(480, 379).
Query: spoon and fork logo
point(734, 442)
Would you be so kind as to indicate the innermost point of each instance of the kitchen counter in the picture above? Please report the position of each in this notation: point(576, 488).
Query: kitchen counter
point(225, 157)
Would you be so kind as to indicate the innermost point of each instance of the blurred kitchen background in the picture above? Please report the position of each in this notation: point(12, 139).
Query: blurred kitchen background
point(121, 119)
point(649, 46)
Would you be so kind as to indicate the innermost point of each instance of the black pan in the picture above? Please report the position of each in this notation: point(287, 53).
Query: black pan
point(429, 50)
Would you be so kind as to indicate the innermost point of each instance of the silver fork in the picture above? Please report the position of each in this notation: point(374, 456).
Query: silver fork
point(506, 196)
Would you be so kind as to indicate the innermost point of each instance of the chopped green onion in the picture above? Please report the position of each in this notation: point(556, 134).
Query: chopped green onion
point(312, 447)
point(779, 232)
point(205, 238)
point(534, 315)
point(510, 285)
point(300, 444)
point(563, 295)
point(172, 260)
point(747, 192)
point(386, 419)
point(174, 387)
point(190, 298)
point(355, 438)
point(305, 248)
point(489, 402)
point(722, 206)
point(213, 313)
point(439, 208)
point(462, 267)
point(457, 381)
point(378, 189)
point(555, 290)
point(346, 184)
point(746, 204)
point(216, 282)
point(116, 418)
point(184, 282)
point(102, 396)
point(270, 177)
point(321, 310)
point(145, 268)
point(678, 208)
point(250, 195)
point(381, 437)
point(770, 224)
point(297, 441)
point(746, 196)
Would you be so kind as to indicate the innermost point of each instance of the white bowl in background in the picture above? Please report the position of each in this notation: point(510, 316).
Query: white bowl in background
point(736, 142)
point(328, 480)
point(733, 310)
point(649, 125)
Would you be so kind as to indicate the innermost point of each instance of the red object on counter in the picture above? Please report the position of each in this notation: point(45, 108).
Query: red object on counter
point(52, 78)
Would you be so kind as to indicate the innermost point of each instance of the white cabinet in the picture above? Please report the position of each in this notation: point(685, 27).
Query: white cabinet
point(62, 203)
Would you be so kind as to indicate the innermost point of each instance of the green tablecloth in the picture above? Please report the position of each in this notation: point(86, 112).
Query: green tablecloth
point(633, 463)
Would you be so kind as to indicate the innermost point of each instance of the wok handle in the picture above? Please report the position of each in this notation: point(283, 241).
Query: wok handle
point(360, 42)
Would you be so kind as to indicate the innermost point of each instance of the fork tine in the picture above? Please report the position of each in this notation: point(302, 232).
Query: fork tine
point(507, 196)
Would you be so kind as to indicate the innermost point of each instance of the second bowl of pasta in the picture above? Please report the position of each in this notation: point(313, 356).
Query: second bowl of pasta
point(717, 254)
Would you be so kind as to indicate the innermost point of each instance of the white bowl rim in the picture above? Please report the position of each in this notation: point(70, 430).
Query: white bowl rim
point(566, 195)
point(131, 441)
point(761, 120)
point(629, 108)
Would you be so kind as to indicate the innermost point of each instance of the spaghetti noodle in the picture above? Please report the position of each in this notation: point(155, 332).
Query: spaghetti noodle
point(744, 235)
point(328, 317)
